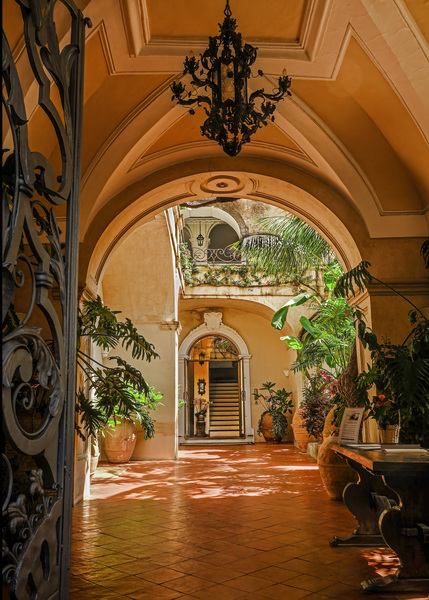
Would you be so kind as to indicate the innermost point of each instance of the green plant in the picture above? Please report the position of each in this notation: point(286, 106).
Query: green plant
point(112, 391)
point(289, 248)
point(186, 261)
point(316, 404)
point(201, 405)
point(278, 404)
point(327, 340)
point(400, 372)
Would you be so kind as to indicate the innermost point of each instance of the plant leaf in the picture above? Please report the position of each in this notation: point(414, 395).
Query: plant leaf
point(279, 318)
point(307, 325)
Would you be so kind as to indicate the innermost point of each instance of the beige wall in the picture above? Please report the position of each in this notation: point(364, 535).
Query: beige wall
point(140, 281)
point(270, 356)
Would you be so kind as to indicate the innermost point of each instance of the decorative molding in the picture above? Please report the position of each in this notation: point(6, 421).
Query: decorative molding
point(210, 145)
point(141, 42)
point(223, 330)
point(213, 320)
point(407, 288)
point(172, 326)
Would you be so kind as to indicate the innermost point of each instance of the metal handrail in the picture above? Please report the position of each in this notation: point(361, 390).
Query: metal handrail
point(217, 256)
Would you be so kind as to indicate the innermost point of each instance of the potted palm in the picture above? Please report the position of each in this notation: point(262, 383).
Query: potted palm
point(112, 394)
point(399, 372)
point(273, 423)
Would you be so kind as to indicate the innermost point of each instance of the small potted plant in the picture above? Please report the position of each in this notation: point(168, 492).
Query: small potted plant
point(273, 423)
point(388, 417)
point(200, 413)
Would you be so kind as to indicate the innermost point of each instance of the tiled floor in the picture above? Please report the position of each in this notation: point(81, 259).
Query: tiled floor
point(224, 523)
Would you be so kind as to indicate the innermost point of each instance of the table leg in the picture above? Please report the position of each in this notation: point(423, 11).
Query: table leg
point(405, 529)
point(366, 500)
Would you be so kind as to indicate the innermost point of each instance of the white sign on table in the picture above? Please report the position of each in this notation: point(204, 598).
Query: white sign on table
point(350, 425)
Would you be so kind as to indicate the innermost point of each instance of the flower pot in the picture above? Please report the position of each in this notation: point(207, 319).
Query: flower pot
point(201, 426)
point(334, 470)
point(266, 429)
point(119, 441)
point(300, 433)
point(390, 435)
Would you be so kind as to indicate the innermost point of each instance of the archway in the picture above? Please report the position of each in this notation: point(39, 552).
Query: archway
point(214, 327)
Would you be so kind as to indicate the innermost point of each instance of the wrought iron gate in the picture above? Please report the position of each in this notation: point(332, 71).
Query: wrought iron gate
point(40, 196)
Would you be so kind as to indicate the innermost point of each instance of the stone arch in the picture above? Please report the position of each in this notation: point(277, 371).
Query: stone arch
point(328, 215)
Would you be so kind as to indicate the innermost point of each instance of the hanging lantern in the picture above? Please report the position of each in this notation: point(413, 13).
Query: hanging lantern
point(200, 237)
point(232, 116)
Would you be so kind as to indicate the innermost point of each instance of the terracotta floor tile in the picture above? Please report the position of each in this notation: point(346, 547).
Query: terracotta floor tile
point(218, 592)
point(281, 592)
point(155, 592)
point(248, 583)
point(124, 585)
point(309, 583)
point(275, 574)
point(250, 515)
point(340, 591)
point(249, 565)
point(161, 575)
point(188, 584)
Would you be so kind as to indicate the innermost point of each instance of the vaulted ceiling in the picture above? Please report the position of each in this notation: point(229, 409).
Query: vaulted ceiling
point(358, 118)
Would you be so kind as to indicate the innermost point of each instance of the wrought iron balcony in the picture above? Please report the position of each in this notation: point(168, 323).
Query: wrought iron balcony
point(218, 256)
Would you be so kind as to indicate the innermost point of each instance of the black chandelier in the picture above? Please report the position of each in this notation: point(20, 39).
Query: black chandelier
point(232, 116)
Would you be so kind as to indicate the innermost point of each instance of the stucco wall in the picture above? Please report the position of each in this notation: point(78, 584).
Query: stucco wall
point(140, 282)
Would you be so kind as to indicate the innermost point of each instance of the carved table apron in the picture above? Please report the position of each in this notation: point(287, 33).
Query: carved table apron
point(391, 504)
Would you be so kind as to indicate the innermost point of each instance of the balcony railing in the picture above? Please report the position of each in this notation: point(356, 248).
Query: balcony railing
point(219, 256)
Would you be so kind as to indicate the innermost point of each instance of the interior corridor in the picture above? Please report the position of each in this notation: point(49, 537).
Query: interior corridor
point(223, 523)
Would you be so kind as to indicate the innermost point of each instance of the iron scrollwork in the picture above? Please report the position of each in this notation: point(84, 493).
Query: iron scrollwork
point(38, 351)
point(216, 255)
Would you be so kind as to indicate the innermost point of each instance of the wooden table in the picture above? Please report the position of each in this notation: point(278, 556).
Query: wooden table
point(391, 504)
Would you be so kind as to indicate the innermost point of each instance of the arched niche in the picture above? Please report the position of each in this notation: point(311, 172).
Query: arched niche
point(213, 325)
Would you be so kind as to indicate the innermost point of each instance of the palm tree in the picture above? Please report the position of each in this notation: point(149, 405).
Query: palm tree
point(289, 247)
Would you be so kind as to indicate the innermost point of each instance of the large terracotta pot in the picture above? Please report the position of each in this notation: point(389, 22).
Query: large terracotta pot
point(334, 470)
point(266, 428)
point(119, 441)
point(329, 427)
point(300, 433)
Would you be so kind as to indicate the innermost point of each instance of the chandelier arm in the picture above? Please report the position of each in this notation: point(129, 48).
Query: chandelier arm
point(204, 83)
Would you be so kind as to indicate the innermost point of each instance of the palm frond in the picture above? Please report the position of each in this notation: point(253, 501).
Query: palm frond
point(300, 232)
point(274, 255)
point(290, 246)
point(358, 277)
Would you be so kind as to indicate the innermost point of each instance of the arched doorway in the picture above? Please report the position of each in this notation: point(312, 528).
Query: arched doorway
point(214, 376)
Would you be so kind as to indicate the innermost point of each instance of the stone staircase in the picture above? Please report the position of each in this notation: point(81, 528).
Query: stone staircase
point(224, 409)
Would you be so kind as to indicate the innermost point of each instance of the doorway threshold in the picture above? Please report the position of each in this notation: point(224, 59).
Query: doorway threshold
point(216, 442)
